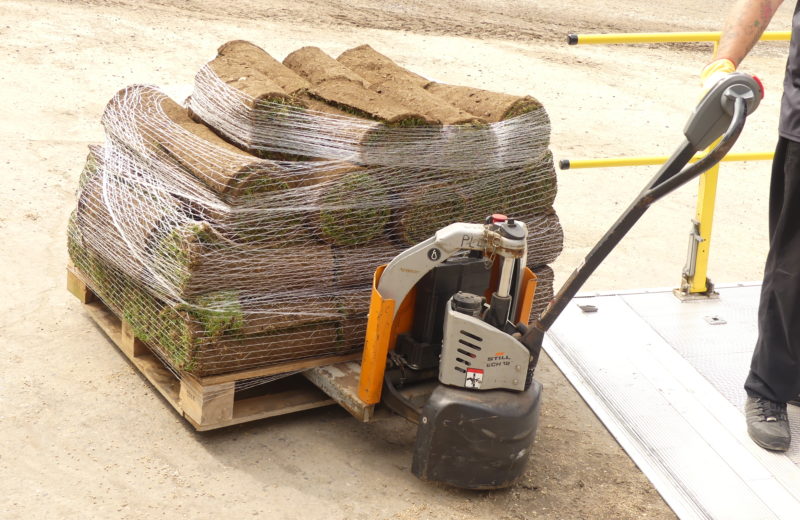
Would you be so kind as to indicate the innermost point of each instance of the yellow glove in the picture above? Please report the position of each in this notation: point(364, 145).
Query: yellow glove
point(715, 71)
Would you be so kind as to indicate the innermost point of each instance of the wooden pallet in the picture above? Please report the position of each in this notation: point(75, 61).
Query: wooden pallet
point(210, 402)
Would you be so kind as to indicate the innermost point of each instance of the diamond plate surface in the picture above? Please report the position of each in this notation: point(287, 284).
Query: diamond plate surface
point(721, 353)
point(668, 384)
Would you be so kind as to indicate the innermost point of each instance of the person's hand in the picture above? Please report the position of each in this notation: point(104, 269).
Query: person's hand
point(715, 71)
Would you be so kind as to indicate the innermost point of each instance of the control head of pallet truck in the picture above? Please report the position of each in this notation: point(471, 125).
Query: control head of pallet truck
point(713, 114)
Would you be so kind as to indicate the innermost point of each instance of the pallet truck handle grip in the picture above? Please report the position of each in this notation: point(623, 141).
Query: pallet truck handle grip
point(708, 161)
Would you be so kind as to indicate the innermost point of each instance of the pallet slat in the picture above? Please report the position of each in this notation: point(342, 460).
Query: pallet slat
point(289, 366)
point(212, 402)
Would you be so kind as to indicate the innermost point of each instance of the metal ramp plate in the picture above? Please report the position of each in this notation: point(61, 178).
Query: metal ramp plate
point(666, 378)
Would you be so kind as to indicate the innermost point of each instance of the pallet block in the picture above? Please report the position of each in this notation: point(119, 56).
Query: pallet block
point(211, 402)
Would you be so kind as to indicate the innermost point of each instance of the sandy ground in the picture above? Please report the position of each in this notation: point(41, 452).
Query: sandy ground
point(81, 435)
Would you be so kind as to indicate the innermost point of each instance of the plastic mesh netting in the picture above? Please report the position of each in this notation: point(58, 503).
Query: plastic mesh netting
point(244, 230)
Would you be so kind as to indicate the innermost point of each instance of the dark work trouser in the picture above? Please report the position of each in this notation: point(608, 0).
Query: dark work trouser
point(775, 368)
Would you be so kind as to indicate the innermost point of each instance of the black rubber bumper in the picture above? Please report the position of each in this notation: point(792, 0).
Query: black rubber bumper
point(476, 440)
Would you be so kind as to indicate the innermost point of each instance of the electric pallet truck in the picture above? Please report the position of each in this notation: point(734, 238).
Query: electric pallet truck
point(452, 311)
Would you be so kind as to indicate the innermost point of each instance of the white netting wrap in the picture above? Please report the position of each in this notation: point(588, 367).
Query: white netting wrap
point(251, 238)
point(285, 129)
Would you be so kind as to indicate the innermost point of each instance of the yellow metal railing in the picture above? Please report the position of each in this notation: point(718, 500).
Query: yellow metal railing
point(695, 273)
point(675, 37)
point(575, 164)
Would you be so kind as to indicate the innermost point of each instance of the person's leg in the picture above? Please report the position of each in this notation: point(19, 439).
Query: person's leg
point(775, 367)
point(774, 376)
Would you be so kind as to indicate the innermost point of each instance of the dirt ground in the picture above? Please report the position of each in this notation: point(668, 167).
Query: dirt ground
point(81, 435)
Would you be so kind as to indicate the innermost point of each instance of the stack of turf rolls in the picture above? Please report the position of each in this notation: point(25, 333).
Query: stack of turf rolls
point(242, 229)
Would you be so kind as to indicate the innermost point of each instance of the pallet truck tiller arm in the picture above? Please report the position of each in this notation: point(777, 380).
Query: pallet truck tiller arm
point(724, 108)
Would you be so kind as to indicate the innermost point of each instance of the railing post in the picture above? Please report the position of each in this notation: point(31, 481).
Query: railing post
point(695, 280)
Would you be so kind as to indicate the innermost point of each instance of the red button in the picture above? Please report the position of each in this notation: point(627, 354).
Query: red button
point(760, 85)
point(498, 217)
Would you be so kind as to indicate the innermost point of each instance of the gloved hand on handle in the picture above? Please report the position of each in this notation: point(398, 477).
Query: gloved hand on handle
point(715, 71)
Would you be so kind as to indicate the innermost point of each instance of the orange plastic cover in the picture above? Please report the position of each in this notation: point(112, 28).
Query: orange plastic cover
point(382, 331)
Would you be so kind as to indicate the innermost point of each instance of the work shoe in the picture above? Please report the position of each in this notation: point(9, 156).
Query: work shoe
point(767, 423)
